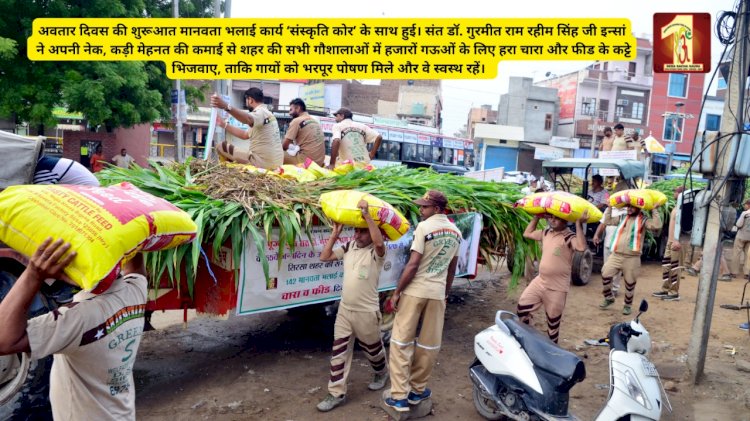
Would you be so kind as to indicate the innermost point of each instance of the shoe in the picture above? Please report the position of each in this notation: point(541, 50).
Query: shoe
point(626, 310)
point(400, 405)
point(378, 381)
point(415, 398)
point(725, 278)
point(660, 294)
point(691, 272)
point(330, 402)
point(744, 326)
point(671, 297)
point(606, 303)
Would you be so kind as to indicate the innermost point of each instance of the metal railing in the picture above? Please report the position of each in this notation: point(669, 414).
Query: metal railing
point(167, 150)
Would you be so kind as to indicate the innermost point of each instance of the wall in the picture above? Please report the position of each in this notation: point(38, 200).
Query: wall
point(662, 103)
point(136, 140)
point(527, 106)
point(72, 141)
point(712, 106)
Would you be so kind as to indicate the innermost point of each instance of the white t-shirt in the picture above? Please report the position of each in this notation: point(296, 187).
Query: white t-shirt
point(51, 170)
point(123, 161)
point(94, 340)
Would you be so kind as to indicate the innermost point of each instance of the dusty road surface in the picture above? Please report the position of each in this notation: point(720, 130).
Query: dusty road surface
point(275, 366)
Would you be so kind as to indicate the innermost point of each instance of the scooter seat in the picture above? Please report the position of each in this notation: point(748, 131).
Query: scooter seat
point(545, 354)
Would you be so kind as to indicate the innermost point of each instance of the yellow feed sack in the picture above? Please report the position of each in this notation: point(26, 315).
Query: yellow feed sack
point(341, 207)
point(300, 174)
point(319, 171)
point(533, 203)
point(345, 167)
point(640, 198)
point(560, 204)
point(104, 225)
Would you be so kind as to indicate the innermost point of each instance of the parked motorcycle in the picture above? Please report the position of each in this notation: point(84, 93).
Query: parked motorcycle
point(519, 374)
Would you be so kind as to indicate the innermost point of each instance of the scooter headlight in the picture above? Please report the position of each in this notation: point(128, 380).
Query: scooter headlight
point(634, 389)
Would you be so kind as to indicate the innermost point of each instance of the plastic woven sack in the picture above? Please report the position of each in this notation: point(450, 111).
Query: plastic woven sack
point(645, 199)
point(560, 204)
point(341, 207)
point(105, 225)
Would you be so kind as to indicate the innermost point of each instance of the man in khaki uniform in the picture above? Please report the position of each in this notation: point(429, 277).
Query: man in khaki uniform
point(420, 296)
point(670, 263)
point(607, 140)
point(94, 339)
point(550, 288)
point(350, 139)
point(742, 243)
point(305, 135)
point(358, 316)
point(265, 139)
point(625, 256)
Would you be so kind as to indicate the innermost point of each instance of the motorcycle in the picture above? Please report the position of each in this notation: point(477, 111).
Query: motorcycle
point(519, 374)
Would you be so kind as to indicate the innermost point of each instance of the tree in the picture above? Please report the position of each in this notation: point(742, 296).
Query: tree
point(462, 132)
point(111, 94)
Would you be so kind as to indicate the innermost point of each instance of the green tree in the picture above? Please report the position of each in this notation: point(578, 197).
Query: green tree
point(110, 94)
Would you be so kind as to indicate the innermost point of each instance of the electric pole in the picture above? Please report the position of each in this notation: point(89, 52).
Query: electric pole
point(723, 183)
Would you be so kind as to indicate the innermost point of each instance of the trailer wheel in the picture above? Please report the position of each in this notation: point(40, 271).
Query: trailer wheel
point(32, 401)
point(583, 262)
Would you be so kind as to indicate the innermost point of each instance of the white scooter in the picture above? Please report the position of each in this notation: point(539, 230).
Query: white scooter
point(519, 374)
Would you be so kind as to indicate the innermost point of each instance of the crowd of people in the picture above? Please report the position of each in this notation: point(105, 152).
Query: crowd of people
point(303, 139)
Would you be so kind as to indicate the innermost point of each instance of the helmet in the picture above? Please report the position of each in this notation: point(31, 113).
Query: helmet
point(640, 344)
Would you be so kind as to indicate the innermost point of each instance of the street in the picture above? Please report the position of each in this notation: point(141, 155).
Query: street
point(275, 366)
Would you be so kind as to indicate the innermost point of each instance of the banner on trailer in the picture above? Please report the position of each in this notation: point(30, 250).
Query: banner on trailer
point(302, 279)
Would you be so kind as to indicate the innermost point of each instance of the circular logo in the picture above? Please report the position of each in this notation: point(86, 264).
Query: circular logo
point(387, 266)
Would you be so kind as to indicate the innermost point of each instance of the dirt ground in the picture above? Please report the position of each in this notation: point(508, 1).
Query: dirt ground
point(275, 366)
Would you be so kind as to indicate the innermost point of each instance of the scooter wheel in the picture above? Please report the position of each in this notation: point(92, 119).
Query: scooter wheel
point(486, 406)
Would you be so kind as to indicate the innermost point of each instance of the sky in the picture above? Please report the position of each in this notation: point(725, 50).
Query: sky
point(459, 96)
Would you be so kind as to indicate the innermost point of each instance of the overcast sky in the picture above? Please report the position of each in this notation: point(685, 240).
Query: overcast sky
point(460, 95)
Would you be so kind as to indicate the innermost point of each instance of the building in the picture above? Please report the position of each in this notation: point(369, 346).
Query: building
point(611, 91)
point(484, 114)
point(713, 109)
point(533, 109)
point(675, 114)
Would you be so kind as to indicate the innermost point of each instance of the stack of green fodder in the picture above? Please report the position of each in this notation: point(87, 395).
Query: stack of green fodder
point(227, 204)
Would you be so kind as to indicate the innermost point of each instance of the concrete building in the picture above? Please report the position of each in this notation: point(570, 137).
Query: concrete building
point(484, 114)
point(536, 110)
point(713, 110)
point(675, 112)
point(611, 91)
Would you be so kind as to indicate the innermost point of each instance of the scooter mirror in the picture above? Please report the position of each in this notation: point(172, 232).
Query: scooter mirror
point(644, 306)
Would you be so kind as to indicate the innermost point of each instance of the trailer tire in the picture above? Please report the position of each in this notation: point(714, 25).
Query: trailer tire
point(583, 262)
point(32, 402)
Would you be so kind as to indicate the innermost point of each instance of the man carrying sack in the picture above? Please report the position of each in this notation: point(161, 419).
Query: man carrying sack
point(421, 295)
point(358, 317)
point(94, 339)
point(626, 247)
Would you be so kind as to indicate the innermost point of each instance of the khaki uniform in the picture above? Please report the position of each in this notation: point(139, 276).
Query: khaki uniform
point(353, 140)
point(626, 245)
point(94, 340)
point(550, 288)
point(618, 214)
point(265, 140)
point(358, 316)
point(671, 262)
point(742, 245)
point(306, 133)
point(412, 358)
